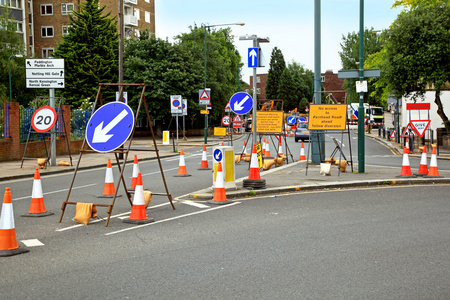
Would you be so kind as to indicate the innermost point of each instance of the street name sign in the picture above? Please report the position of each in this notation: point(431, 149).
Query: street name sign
point(347, 74)
point(241, 103)
point(109, 127)
point(45, 73)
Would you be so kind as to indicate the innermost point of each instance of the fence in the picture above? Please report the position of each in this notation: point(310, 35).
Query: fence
point(78, 121)
point(4, 121)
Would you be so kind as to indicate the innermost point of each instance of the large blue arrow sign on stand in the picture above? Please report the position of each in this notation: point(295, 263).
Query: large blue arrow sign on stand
point(291, 120)
point(241, 103)
point(109, 127)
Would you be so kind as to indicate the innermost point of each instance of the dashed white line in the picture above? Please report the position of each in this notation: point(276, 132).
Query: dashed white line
point(199, 205)
point(58, 191)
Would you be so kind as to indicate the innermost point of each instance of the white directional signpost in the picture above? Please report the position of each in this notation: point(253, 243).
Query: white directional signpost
point(109, 127)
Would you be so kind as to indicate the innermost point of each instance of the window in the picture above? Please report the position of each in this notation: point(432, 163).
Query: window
point(322, 78)
point(12, 3)
point(47, 52)
point(148, 1)
point(258, 79)
point(46, 9)
point(258, 90)
point(66, 8)
point(137, 13)
point(19, 27)
point(47, 31)
point(147, 17)
point(137, 33)
point(65, 30)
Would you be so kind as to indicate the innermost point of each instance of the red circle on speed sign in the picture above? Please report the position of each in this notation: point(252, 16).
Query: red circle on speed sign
point(226, 120)
point(43, 119)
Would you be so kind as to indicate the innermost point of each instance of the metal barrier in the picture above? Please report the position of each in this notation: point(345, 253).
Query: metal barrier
point(25, 115)
point(78, 121)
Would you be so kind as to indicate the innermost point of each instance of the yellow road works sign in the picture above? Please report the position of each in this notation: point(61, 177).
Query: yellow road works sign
point(204, 112)
point(259, 155)
point(269, 121)
point(220, 131)
point(327, 116)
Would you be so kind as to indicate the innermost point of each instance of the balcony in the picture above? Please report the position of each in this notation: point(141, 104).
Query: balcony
point(130, 2)
point(130, 20)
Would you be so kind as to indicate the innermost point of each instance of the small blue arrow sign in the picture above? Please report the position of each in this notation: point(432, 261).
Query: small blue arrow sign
point(253, 54)
point(241, 103)
point(301, 120)
point(218, 155)
point(291, 120)
point(109, 127)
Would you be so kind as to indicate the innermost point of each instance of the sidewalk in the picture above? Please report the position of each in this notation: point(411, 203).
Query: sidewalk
point(288, 178)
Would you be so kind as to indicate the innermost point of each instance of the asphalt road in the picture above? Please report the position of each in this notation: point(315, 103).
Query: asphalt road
point(383, 243)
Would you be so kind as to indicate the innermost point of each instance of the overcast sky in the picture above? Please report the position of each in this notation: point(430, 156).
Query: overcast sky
point(289, 24)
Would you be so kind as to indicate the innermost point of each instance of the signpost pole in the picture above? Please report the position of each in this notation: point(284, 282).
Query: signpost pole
point(361, 137)
point(52, 130)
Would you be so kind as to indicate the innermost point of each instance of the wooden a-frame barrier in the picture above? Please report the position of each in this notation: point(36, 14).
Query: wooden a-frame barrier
point(110, 206)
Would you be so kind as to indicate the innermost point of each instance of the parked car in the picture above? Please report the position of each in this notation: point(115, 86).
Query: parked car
point(248, 125)
point(302, 132)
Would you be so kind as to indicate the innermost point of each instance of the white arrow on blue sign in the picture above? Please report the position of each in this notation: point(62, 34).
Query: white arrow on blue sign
point(109, 127)
point(253, 54)
point(241, 103)
point(218, 155)
point(291, 120)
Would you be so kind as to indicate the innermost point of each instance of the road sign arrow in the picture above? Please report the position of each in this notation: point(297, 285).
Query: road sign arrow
point(217, 157)
point(253, 55)
point(101, 134)
point(238, 105)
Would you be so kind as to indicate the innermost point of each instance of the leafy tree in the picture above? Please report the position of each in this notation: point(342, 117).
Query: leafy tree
point(223, 64)
point(276, 68)
point(418, 53)
point(303, 79)
point(417, 3)
point(286, 91)
point(90, 51)
point(166, 69)
point(350, 56)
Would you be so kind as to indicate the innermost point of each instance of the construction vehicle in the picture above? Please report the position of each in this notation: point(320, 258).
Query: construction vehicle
point(373, 114)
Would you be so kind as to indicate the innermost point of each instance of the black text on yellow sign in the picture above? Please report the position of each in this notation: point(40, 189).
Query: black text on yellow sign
point(221, 131)
point(269, 121)
point(259, 155)
point(327, 116)
point(204, 112)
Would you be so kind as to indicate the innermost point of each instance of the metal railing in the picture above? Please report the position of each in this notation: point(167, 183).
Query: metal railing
point(4, 121)
point(78, 121)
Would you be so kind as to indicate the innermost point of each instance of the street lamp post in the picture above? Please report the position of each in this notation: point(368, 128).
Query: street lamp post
point(205, 27)
point(9, 65)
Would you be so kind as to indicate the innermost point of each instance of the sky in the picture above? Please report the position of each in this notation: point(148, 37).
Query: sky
point(289, 24)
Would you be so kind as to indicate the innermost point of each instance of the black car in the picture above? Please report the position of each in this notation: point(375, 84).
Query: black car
point(302, 132)
point(248, 125)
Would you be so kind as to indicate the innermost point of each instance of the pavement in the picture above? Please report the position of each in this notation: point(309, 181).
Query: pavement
point(291, 177)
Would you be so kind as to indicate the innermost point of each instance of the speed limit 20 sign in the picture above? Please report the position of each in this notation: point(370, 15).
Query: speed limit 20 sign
point(43, 119)
point(226, 120)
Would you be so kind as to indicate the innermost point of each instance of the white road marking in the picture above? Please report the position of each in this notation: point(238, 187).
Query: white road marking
point(199, 205)
point(32, 243)
point(58, 191)
point(174, 218)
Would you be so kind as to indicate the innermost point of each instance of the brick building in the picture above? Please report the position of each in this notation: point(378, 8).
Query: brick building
point(41, 23)
point(261, 80)
point(331, 82)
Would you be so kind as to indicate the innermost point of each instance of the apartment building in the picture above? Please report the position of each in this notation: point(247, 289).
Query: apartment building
point(42, 23)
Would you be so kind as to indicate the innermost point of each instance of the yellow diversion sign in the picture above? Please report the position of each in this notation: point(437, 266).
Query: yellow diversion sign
point(327, 116)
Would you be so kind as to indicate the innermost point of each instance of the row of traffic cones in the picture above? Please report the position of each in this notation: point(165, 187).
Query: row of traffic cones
point(432, 171)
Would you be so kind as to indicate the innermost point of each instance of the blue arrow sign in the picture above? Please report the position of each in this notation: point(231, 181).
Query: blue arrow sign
point(291, 120)
point(218, 155)
point(109, 127)
point(301, 119)
point(241, 103)
point(253, 54)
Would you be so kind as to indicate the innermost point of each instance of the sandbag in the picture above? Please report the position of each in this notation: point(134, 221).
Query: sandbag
point(85, 211)
point(147, 198)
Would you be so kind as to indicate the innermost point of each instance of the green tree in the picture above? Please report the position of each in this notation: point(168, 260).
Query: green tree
point(350, 56)
point(408, 4)
point(418, 53)
point(286, 91)
point(90, 51)
point(276, 68)
point(303, 79)
point(167, 69)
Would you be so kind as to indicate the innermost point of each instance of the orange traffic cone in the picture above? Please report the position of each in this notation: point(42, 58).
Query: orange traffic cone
point(109, 190)
point(407, 146)
point(406, 168)
point(244, 150)
point(280, 149)
point(37, 206)
point(204, 165)
point(182, 166)
point(264, 147)
point(433, 170)
point(219, 189)
point(8, 241)
point(222, 144)
point(267, 149)
point(138, 214)
point(302, 153)
point(136, 171)
point(423, 167)
point(254, 179)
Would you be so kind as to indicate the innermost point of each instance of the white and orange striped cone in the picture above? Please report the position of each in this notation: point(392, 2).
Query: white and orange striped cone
point(280, 149)
point(109, 190)
point(136, 171)
point(244, 150)
point(8, 241)
point(182, 172)
point(204, 164)
point(267, 149)
point(219, 196)
point(302, 153)
point(37, 206)
point(423, 167)
point(254, 178)
point(406, 167)
point(264, 147)
point(407, 146)
point(138, 213)
point(433, 170)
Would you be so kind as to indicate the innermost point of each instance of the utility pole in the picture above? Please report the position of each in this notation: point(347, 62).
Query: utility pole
point(361, 137)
